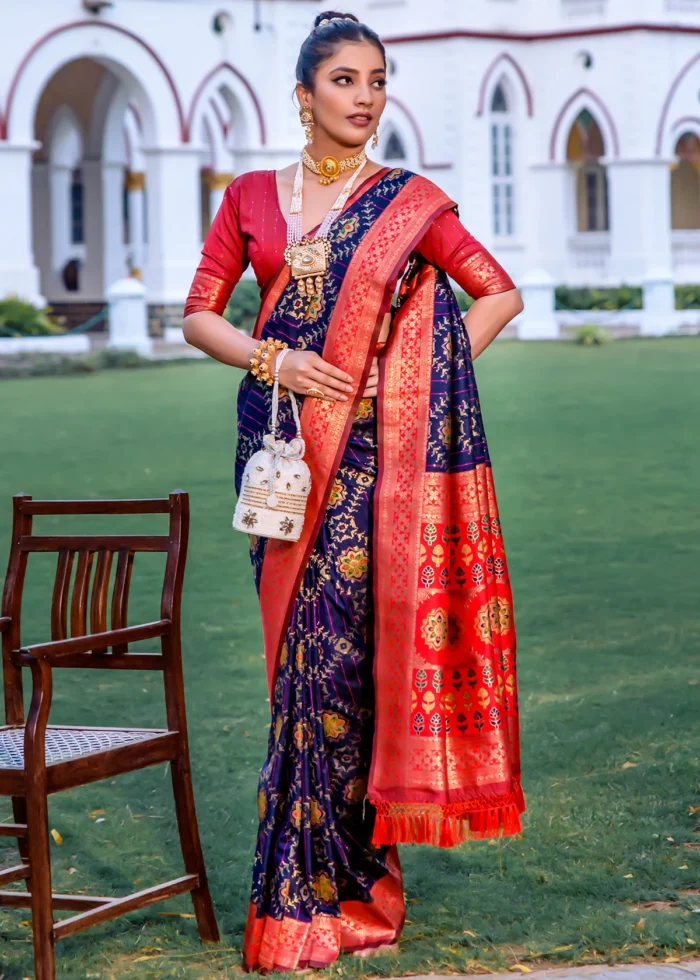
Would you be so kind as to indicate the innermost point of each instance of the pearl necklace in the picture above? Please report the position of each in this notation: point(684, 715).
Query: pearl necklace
point(309, 258)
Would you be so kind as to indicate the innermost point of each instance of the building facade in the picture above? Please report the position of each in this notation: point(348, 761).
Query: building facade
point(568, 131)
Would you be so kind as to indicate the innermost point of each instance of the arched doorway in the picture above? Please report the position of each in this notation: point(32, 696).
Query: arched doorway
point(86, 189)
point(685, 184)
point(585, 149)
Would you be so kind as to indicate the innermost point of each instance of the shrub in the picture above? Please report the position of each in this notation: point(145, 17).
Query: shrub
point(21, 319)
point(590, 335)
point(624, 298)
point(244, 305)
point(687, 297)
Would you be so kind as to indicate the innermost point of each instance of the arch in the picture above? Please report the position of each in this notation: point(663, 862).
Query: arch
point(665, 109)
point(394, 148)
point(130, 57)
point(225, 74)
point(686, 124)
point(585, 151)
point(581, 100)
point(504, 59)
point(417, 135)
point(499, 101)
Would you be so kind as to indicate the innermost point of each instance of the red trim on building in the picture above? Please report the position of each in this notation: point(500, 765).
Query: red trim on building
point(504, 56)
point(249, 88)
point(543, 36)
point(223, 123)
point(603, 108)
point(104, 25)
point(669, 99)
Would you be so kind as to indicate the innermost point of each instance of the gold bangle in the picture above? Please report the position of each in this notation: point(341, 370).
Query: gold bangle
point(259, 360)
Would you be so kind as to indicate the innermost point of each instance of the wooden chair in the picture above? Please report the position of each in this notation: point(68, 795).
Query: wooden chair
point(37, 758)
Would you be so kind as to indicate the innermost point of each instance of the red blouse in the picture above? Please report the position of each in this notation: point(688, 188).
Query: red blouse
point(249, 228)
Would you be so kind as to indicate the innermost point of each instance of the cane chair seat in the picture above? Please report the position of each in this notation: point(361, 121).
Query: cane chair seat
point(63, 744)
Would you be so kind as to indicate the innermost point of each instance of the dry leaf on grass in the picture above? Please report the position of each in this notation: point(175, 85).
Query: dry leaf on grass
point(520, 967)
point(629, 765)
point(56, 836)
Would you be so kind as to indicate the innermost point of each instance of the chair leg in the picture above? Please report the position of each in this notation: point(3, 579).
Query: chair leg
point(19, 811)
point(39, 884)
point(192, 848)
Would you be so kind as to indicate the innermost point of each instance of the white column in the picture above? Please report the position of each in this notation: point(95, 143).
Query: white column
point(174, 221)
point(113, 257)
point(18, 273)
point(218, 182)
point(92, 281)
point(135, 186)
point(60, 179)
point(128, 316)
point(41, 206)
point(549, 213)
point(538, 320)
point(659, 314)
point(639, 200)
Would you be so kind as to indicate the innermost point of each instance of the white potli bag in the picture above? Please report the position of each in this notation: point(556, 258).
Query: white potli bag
point(276, 481)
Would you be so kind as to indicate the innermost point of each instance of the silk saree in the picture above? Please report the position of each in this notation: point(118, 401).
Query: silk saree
point(388, 627)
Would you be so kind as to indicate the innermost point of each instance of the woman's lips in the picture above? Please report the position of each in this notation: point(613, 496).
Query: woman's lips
point(360, 120)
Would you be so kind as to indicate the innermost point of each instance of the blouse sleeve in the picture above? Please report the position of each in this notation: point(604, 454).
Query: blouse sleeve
point(448, 245)
point(224, 257)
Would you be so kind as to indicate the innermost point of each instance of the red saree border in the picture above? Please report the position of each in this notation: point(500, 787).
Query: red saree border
point(352, 332)
point(289, 944)
point(445, 789)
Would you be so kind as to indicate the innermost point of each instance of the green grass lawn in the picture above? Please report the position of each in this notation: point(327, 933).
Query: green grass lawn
point(597, 467)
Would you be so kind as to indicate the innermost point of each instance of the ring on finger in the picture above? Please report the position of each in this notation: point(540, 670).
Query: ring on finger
point(315, 392)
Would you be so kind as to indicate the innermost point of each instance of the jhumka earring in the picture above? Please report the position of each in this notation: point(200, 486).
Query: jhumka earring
point(375, 139)
point(306, 117)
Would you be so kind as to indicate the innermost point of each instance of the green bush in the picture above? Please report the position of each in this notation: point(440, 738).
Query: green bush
point(244, 305)
point(590, 335)
point(21, 319)
point(687, 297)
point(623, 298)
point(464, 301)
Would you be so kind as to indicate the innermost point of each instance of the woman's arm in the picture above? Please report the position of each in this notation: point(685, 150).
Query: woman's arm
point(449, 245)
point(223, 260)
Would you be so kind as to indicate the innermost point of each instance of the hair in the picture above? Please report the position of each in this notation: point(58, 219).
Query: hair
point(325, 38)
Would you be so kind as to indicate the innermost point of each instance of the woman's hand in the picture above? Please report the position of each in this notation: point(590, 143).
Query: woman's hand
point(302, 370)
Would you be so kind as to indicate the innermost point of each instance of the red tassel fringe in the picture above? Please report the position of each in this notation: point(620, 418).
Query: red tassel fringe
point(451, 824)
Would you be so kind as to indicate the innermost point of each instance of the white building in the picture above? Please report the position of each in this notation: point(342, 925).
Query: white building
point(567, 130)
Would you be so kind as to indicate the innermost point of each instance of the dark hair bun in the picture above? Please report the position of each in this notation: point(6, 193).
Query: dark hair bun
point(325, 38)
point(329, 14)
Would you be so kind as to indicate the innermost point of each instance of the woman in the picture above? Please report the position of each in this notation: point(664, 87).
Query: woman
point(388, 626)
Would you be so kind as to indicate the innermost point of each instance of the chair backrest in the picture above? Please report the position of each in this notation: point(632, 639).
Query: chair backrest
point(84, 610)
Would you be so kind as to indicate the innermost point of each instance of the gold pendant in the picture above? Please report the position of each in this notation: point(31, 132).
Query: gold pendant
point(308, 260)
point(329, 169)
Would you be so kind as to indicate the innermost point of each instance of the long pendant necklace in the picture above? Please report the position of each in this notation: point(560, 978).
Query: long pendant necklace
point(309, 258)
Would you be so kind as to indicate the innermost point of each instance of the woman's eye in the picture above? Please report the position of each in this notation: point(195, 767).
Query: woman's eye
point(381, 82)
point(342, 78)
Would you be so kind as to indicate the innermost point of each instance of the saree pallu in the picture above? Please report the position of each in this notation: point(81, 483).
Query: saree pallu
point(388, 627)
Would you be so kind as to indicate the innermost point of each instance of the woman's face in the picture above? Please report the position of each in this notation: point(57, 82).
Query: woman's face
point(349, 94)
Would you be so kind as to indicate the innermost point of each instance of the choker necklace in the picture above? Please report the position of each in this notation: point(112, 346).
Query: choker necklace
point(309, 258)
point(330, 169)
